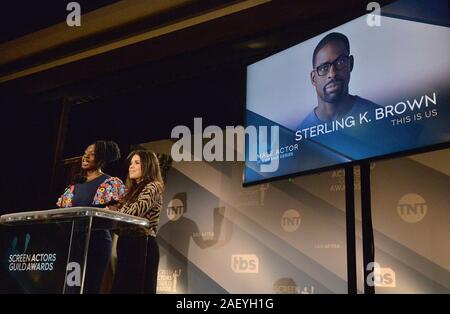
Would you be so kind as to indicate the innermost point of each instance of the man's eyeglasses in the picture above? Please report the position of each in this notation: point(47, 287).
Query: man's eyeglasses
point(340, 63)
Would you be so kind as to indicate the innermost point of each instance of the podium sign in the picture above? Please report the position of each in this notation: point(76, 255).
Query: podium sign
point(46, 251)
point(34, 257)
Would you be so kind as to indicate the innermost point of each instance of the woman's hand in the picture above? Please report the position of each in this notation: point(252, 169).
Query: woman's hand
point(112, 207)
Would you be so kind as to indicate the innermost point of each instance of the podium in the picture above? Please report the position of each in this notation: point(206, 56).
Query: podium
point(46, 251)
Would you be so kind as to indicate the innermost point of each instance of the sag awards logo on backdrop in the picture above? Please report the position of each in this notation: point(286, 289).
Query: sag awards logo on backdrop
point(285, 286)
point(288, 286)
point(168, 280)
point(253, 196)
point(338, 185)
point(245, 263)
point(290, 221)
point(338, 176)
point(22, 261)
point(175, 209)
point(412, 208)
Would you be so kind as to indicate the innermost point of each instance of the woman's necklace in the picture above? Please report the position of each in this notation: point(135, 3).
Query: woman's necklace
point(94, 176)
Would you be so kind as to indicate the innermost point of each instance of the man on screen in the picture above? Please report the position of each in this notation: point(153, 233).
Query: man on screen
point(343, 123)
point(332, 65)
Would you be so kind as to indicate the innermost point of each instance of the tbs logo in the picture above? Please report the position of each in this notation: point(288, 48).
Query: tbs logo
point(380, 277)
point(245, 263)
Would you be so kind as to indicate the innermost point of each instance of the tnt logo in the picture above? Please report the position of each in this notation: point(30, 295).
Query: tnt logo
point(412, 208)
point(380, 277)
point(290, 221)
point(175, 209)
point(247, 263)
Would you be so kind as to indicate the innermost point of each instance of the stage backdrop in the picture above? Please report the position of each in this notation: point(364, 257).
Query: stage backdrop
point(289, 236)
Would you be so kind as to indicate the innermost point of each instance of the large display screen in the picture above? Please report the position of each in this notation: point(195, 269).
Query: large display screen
point(359, 91)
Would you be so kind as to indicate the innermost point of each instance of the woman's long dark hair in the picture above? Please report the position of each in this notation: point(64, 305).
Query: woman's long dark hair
point(151, 172)
point(105, 153)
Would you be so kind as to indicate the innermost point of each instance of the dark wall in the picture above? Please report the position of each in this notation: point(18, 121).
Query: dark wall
point(28, 135)
point(150, 113)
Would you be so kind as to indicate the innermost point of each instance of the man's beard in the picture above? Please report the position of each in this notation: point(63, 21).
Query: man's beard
point(335, 96)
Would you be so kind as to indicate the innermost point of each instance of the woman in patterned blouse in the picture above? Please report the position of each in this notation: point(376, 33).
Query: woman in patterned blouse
point(138, 254)
point(93, 188)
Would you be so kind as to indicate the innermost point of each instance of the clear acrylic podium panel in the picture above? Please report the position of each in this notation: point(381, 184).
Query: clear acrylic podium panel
point(46, 251)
